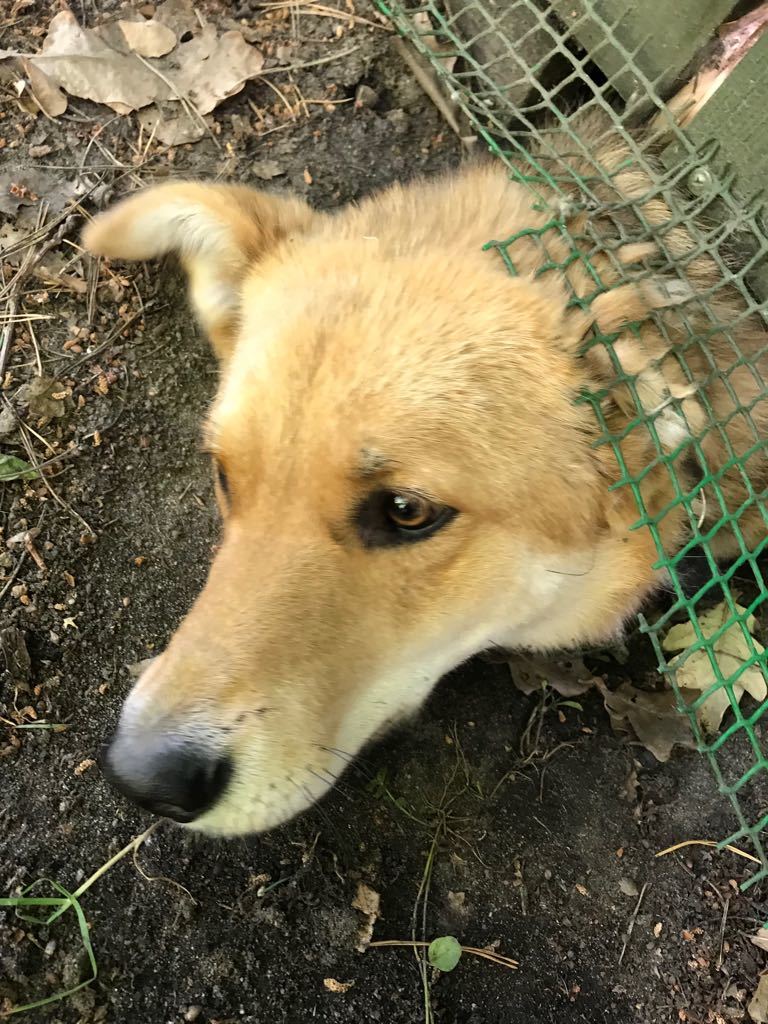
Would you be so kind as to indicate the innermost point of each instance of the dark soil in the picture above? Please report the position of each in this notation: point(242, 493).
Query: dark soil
point(543, 853)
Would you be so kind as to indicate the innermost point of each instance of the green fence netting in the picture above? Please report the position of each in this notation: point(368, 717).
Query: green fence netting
point(520, 73)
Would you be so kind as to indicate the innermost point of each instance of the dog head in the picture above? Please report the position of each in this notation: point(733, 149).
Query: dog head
point(404, 479)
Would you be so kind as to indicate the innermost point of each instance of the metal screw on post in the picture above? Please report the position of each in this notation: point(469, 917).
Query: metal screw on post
point(701, 180)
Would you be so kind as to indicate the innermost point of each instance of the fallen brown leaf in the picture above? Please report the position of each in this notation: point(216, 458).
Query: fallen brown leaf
point(568, 676)
point(82, 64)
point(50, 98)
point(758, 1005)
point(39, 394)
point(652, 716)
point(149, 38)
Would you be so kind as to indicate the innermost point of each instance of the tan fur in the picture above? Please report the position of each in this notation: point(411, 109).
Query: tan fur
point(386, 328)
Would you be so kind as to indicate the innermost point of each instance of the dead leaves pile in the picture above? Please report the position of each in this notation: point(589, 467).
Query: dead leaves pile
point(652, 716)
point(173, 68)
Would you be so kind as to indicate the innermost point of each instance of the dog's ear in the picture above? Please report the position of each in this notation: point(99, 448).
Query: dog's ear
point(218, 231)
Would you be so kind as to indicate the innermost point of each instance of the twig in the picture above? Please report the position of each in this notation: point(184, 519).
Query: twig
point(189, 107)
point(14, 574)
point(308, 63)
point(159, 878)
point(709, 842)
point(725, 903)
point(632, 920)
point(38, 468)
point(134, 844)
point(281, 95)
point(429, 83)
point(322, 11)
point(496, 958)
point(15, 288)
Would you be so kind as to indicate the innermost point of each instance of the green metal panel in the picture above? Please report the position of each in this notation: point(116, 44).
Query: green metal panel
point(661, 35)
point(737, 117)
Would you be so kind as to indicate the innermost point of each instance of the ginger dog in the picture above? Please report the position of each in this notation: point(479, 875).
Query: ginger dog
point(405, 472)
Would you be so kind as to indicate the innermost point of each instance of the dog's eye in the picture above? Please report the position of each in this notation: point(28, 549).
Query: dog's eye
point(386, 518)
point(222, 479)
point(411, 511)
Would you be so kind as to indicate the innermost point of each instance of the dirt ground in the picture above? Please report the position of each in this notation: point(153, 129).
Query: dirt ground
point(540, 824)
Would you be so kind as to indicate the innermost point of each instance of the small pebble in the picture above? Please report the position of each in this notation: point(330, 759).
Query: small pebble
point(365, 96)
point(628, 887)
point(193, 1012)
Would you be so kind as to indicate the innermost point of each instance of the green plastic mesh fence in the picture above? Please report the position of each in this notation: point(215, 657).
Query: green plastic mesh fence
point(516, 72)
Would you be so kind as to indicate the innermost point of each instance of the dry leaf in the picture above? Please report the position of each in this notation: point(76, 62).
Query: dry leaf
point(653, 717)
point(39, 393)
point(149, 38)
point(178, 15)
point(48, 95)
point(214, 67)
point(337, 986)
point(132, 66)
point(207, 70)
point(367, 901)
point(79, 61)
point(731, 651)
point(758, 1005)
point(568, 676)
point(760, 938)
point(266, 169)
point(423, 25)
point(29, 185)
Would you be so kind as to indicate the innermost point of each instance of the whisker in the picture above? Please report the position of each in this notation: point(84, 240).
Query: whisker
point(584, 572)
point(315, 806)
point(359, 764)
point(339, 787)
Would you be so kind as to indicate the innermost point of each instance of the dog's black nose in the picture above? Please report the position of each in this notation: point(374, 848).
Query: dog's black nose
point(166, 775)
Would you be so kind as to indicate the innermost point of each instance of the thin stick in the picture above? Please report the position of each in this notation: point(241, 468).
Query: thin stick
point(632, 920)
point(429, 83)
point(14, 574)
point(281, 95)
point(321, 10)
point(134, 844)
point(15, 289)
point(189, 107)
point(38, 468)
point(725, 903)
point(158, 878)
point(308, 63)
point(496, 958)
point(708, 842)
